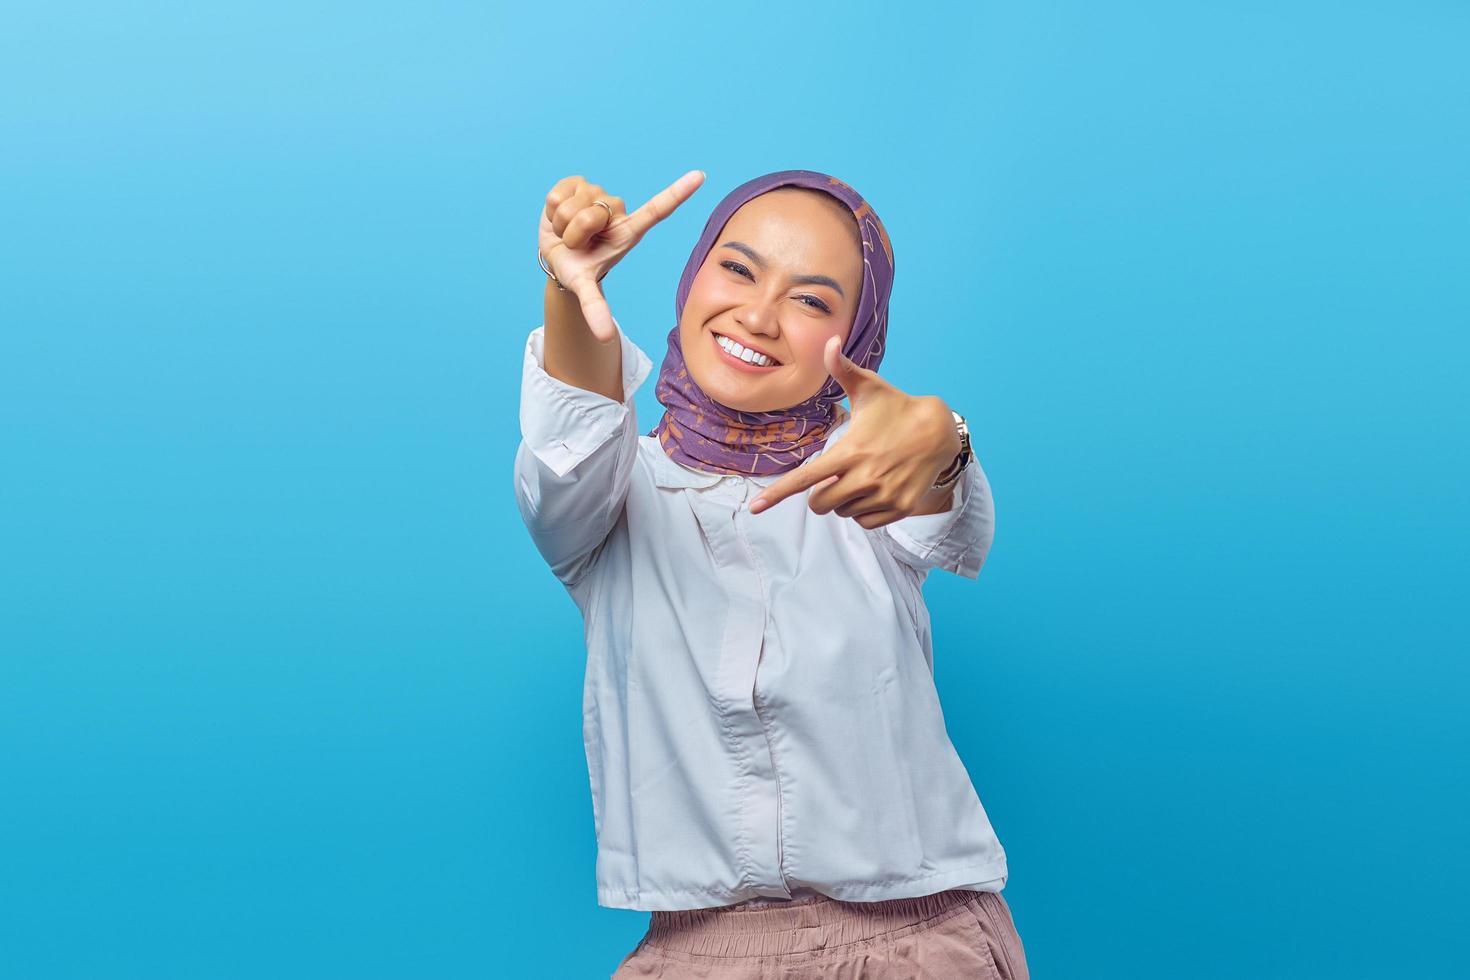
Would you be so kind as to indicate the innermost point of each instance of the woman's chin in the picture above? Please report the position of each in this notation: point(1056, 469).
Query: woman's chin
point(741, 402)
point(737, 394)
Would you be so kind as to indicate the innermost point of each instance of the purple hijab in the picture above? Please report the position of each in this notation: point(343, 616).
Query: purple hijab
point(702, 434)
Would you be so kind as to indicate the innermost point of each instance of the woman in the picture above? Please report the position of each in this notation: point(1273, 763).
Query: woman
point(770, 771)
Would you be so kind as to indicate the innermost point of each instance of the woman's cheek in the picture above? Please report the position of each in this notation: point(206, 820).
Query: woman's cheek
point(719, 296)
point(809, 350)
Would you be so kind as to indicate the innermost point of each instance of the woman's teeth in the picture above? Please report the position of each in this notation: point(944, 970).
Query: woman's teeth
point(744, 353)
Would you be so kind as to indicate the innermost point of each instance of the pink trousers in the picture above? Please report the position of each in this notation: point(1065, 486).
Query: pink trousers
point(945, 936)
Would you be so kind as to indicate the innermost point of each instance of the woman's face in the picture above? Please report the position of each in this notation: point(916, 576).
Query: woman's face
point(781, 279)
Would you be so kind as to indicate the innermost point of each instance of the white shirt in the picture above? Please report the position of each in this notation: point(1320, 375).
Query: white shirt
point(759, 708)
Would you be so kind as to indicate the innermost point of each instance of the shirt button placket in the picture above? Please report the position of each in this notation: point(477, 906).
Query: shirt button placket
point(771, 776)
point(740, 651)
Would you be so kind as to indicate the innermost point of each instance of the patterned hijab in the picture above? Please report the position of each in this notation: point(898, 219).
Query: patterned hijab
point(702, 434)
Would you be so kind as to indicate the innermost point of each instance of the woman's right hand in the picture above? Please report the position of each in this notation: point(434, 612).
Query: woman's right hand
point(580, 241)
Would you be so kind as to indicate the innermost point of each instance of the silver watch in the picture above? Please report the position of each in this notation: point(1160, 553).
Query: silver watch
point(952, 475)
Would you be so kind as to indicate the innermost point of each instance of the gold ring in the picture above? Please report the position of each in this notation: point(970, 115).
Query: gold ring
point(606, 205)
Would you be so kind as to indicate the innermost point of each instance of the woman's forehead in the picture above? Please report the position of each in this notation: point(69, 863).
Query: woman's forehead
point(796, 204)
point(783, 225)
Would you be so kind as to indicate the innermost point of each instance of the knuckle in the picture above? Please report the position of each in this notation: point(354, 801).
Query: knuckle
point(928, 406)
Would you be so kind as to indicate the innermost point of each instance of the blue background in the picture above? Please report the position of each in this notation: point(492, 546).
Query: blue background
point(285, 690)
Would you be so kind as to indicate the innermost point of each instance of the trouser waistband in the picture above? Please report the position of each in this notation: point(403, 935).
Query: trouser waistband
point(817, 922)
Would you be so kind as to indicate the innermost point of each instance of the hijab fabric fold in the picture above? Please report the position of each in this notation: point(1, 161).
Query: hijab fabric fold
point(698, 432)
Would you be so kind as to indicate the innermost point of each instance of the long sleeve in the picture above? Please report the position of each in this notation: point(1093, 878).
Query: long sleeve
point(575, 460)
point(956, 540)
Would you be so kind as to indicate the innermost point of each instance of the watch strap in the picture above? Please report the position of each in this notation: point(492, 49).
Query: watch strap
point(962, 460)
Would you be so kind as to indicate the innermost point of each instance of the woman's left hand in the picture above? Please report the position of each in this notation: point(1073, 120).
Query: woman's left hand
point(884, 467)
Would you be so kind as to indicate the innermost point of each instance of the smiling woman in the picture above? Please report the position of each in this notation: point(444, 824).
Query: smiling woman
point(770, 770)
point(784, 280)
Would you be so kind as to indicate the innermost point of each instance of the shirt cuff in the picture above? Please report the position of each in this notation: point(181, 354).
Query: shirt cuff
point(956, 540)
point(563, 424)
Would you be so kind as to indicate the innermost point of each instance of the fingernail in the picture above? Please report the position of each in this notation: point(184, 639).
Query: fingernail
point(757, 503)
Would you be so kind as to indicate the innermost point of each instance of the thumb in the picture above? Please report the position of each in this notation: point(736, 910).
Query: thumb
point(594, 308)
point(853, 379)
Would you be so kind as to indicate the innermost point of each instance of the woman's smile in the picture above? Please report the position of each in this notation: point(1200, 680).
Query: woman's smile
point(727, 348)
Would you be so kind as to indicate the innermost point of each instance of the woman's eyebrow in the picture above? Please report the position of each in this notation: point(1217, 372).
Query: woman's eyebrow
point(750, 253)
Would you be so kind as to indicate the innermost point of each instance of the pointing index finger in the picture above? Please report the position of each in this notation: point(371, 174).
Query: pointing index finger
point(662, 204)
point(799, 479)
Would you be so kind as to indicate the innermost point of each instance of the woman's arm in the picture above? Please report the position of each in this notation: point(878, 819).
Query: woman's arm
point(878, 467)
point(575, 461)
point(579, 432)
point(584, 232)
point(573, 354)
point(957, 540)
point(884, 471)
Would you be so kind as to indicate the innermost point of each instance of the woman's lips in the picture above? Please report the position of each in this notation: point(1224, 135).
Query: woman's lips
point(734, 361)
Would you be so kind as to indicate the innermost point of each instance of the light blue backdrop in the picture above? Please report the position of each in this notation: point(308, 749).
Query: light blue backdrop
point(285, 690)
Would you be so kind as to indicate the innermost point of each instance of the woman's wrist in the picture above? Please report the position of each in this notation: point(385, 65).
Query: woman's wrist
point(962, 456)
point(938, 501)
point(947, 448)
point(572, 353)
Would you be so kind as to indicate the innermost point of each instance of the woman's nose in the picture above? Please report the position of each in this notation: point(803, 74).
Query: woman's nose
point(758, 318)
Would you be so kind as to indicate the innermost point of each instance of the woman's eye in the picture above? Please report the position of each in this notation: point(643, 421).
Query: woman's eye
point(741, 270)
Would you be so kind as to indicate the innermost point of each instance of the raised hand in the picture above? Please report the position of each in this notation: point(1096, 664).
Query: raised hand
point(580, 241)
point(884, 467)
